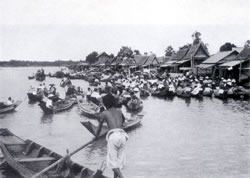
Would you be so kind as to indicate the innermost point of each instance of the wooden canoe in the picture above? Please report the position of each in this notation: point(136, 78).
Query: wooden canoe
point(10, 108)
point(128, 125)
point(88, 108)
point(59, 106)
point(29, 158)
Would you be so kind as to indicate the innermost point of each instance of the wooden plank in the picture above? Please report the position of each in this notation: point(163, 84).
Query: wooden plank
point(11, 140)
point(25, 160)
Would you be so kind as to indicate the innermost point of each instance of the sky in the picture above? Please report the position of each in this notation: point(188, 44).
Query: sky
point(71, 29)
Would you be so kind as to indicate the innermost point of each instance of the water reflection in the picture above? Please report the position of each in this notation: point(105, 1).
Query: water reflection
point(187, 101)
point(47, 118)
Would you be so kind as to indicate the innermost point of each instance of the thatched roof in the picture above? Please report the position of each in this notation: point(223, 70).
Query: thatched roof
point(128, 61)
point(103, 59)
point(117, 60)
point(198, 50)
point(140, 60)
point(103, 54)
point(181, 53)
point(151, 60)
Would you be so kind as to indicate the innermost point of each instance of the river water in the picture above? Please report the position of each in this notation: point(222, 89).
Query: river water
point(177, 138)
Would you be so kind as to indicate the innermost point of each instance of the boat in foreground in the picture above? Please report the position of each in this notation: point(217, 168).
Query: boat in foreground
point(129, 124)
point(88, 108)
point(59, 106)
point(29, 158)
point(10, 108)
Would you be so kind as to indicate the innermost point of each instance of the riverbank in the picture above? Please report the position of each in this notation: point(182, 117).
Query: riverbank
point(18, 63)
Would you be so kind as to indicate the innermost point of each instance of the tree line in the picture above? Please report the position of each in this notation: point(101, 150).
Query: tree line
point(23, 63)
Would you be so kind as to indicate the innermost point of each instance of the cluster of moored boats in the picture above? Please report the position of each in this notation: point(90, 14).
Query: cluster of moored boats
point(162, 84)
point(29, 158)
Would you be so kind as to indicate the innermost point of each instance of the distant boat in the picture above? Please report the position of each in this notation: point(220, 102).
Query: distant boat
point(59, 106)
point(10, 108)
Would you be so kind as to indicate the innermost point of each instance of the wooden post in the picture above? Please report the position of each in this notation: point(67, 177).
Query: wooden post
point(192, 64)
point(240, 70)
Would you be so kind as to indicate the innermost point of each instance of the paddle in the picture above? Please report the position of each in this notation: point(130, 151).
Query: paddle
point(58, 161)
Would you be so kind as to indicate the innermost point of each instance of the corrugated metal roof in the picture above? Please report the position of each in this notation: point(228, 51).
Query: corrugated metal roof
point(194, 48)
point(163, 59)
point(230, 64)
point(181, 53)
point(140, 60)
point(244, 54)
point(218, 56)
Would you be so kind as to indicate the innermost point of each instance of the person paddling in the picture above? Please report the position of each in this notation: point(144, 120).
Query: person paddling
point(116, 137)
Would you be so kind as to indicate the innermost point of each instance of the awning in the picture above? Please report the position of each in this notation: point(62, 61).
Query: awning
point(230, 64)
point(246, 68)
point(168, 64)
point(185, 68)
point(205, 66)
point(182, 61)
point(165, 65)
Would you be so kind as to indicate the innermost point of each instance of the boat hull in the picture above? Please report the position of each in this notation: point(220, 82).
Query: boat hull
point(88, 109)
point(10, 108)
point(60, 106)
point(34, 98)
point(29, 158)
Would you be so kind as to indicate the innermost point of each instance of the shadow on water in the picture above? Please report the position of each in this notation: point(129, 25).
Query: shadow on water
point(187, 101)
point(32, 102)
point(47, 118)
point(3, 115)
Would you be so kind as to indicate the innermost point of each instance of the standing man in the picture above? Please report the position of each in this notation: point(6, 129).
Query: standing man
point(116, 137)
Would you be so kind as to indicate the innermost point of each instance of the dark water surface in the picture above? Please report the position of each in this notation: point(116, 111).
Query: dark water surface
point(177, 138)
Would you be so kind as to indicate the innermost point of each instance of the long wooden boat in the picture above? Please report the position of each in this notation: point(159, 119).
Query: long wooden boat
point(128, 125)
point(59, 106)
point(160, 93)
point(220, 93)
point(88, 108)
point(197, 92)
point(207, 92)
point(10, 108)
point(40, 77)
point(34, 97)
point(29, 158)
point(31, 77)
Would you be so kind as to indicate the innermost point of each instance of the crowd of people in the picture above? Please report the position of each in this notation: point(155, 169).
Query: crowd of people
point(166, 85)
